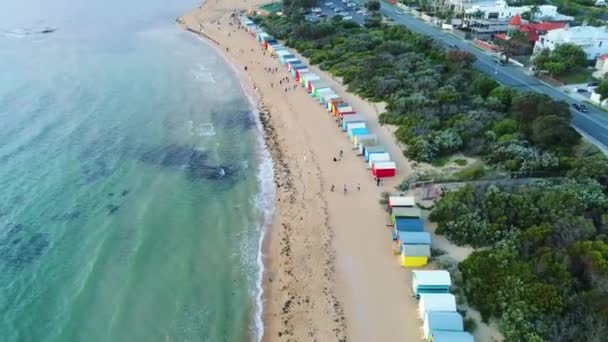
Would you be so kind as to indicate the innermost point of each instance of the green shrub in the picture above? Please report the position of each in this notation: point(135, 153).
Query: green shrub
point(460, 162)
point(470, 325)
point(472, 172)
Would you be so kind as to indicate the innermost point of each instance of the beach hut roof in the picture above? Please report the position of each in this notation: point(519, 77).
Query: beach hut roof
point(401, 201)
point(353, 117)
point(311, 76)
point(431, 278)
point(284, 53)
point(406, 212)
point(299, 66)
point(385, 165)
point(352, 125)
point(345, 109)
point(325, 91)
point(436, 302)
point(374, 149)
point(366, 137)
point(441, 320)
point(415, 238)
point(408, 224)
point(451, 336)
point(416, 250)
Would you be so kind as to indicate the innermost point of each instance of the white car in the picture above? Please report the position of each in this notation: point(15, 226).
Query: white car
point(351, 4)
point(344, 14)
point(346, 18)
point(329, 3)
point(398, 12)
point(344, 1)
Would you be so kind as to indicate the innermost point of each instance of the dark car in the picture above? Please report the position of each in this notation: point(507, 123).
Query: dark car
point(593, 84)
point(576, 106)
point(583, 109)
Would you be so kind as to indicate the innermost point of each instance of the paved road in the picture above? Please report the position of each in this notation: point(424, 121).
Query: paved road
point(593, 125)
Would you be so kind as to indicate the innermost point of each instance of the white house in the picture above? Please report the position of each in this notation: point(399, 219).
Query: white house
point(500, 9)
point(593, 40)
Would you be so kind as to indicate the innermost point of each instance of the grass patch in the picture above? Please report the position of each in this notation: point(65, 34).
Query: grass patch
point(460, 162)
point(593, 104)
point(471, 172)
point(577, 76)
point(440, 161)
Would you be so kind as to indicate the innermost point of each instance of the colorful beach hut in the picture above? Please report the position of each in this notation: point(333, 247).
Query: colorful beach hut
point(415, 255)
point(328, 97)
point(412, 213)
point(344, 110)
point(350, 119)
point(430, 302)
point(262, 35)
point(269, 42)
point(319, 89)
point(282, 53)
point(355, 126)
point(384, 169)
point(287, 58)
point(368, 150)
point(274, 48)
point(414, 238)
point(320, 95)
point(315, 86)
point(450, 336)
point(295, 68)
point(309, 77)
point(430, 281)
point(333, 103)
point(367, 144)
point(292, 62)
point(364, 139)
point(378, 157)
point(404, 224)
point(401, 201)
point(441, 321)
point(300, 72)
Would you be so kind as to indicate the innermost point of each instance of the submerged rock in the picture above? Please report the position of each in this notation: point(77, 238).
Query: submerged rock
point(18, 250)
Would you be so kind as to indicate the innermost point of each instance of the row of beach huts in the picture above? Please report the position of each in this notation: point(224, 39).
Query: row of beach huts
point(436, 307)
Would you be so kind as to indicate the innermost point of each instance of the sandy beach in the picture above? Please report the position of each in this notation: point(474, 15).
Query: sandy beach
point(330, 273)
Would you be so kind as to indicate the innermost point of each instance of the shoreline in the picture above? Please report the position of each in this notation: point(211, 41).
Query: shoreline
point(328, 273)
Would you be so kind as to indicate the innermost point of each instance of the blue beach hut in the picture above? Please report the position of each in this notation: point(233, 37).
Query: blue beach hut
point(450, 336)
point(441, 321)
point(368, 150)
point(429, 282)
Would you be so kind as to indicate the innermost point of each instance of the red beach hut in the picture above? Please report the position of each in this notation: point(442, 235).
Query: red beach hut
point(384, 169)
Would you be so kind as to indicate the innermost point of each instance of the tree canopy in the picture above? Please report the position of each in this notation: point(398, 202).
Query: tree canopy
point(562, 59)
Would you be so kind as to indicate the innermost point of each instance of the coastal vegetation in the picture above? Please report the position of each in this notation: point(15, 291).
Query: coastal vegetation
point(439, 103)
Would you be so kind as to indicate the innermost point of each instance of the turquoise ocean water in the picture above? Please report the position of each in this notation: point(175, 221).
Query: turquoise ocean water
point(132, 178)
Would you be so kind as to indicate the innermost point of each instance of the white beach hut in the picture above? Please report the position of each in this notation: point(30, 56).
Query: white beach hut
point(378, 157)
point(430, 302)
point(430, 281)
point(401, 201)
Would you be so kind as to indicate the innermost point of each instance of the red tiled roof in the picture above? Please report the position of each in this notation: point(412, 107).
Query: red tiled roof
point(603, 57)
point(542, 27)
point(516, 20)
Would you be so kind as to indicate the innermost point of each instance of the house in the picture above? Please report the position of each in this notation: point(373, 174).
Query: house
point(593, 40)
point(430, 281)
point(501, 10)
point(596, 98)
point(601, 66)
point(531, 30)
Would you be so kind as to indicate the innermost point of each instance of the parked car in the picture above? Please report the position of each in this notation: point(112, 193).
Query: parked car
point(344, 1)
point(346, 18)
point(329, 4)
point(351, 4)
point(344, 14)
point(399, 12)
point(338, 10)
point(584, 109)
point(593, 84)
point(580, 90)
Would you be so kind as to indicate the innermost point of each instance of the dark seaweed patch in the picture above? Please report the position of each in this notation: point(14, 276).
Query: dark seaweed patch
point(18, 250)
point(69, 216)
point(240, 118)
point(195, 163)
point(98, 170)
point(112, 209)
point(124, 193)
point(110, 194)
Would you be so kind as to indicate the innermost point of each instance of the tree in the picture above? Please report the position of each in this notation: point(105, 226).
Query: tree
point(553, 131)
point(602, 89)
point(459, 58)
point(484, 85)
point(571, 55)
point(373, 5)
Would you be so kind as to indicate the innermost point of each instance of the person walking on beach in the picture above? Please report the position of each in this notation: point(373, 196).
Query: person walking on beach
point(332, 188)
point(341, 154)
point(358, 186)
point(345, 190)
point(377, 181)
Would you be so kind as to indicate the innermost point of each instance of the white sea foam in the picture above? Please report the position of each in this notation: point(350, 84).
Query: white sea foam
point(206, 130)
point(201, 74)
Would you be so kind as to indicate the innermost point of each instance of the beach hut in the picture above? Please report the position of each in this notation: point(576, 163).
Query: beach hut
point(364, 139)
point(430, 281)
point(350, 119)
point(274, 48)
point(384, 169)
point(414, 238)
point(309, 77)
point(450, 336)
point(282, 53)
point(356, 132)
point(333, 103)
point(271, 42)
point(320, 94)
point(314, 86)
point(319, 89)
point(378, 157)
point(295, 68)
point(355, 126)
point(287, 58)
point(415, 255)
point(403, 224)
point(261, 35)
point(300, 72)
point(368, 150)
point(329, 96)
point(413, 213)
point(430, 302)
point(401, 201)
point(344, 110)
point(292, 62)
point(364, 144)
point(441, 321)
